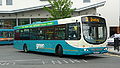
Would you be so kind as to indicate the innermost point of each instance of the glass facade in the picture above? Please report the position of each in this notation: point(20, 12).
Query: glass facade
point(7, 23)
point(86, 1)
point(9, 2)
point(10, 23)
point(6, 34)
point(0, 2)
point(23, 21)
point(38, 19)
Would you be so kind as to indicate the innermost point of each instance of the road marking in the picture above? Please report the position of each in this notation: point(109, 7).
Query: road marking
point(53, 62)
point(59, 62)
point(43, 62)
point(71, 61)
point(65, 61)
point(7, 63)
point(27, 60)
point(77, 61)
point(111, 54)
point(2, 63)
point(85, 60)
point(118, 56)
point(13, 63)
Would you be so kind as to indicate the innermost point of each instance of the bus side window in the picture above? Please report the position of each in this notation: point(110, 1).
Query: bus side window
point(21, 34)
point(73, 31)
point(33, 34)
point(26, 35)
point(41, 34)
point(60, 32)
point(17, 35)
point(49, 33)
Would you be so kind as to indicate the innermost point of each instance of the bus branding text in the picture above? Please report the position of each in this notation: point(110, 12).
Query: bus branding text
point(39, 46)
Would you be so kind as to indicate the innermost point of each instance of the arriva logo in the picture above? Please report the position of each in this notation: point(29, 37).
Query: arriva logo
point(38, 46)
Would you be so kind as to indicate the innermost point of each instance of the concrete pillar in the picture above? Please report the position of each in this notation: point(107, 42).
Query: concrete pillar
point(16, 21)
point(30, 21)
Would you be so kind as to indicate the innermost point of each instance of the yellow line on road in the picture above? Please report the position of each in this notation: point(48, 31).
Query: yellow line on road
point(111, 54)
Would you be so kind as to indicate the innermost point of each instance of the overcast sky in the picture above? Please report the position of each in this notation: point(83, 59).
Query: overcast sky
point(111, 11)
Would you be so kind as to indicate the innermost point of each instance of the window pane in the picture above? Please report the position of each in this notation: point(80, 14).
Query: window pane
point(41, 35)
point(38, 19)
point(73, 31)
point(21, 34)
point(26, 35)
point(86, 1)
point(23, 21)
point(0, 2)
point(33, 33)
point(60, 32)
point(17, 35)
point(7, 23)
point(8, 2)
point(49, 33)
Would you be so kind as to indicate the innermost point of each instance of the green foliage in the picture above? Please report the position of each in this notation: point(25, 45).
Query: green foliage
point(60, 9)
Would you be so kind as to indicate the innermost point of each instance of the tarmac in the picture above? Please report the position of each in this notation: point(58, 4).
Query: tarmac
point(112, 51)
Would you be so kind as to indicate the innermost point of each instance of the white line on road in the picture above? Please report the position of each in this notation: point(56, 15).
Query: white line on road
point(43, 62)
point(2, 63)
point(77, 61)
point(20, 60)
point(13, 63)
point(85, 60)
point(59, 62)
point(71, 61)
point(7, 63)
point(65, 61)
point(27, 60)
point(53, 62)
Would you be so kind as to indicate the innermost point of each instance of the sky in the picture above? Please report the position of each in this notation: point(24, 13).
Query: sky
point(111, 12)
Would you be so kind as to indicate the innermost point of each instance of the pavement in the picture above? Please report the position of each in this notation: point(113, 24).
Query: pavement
point(112, 51)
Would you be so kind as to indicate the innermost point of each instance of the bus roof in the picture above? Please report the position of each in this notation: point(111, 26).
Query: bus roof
point(6, 29)
point(46, 23)
point(37, 24)
point(49, 23)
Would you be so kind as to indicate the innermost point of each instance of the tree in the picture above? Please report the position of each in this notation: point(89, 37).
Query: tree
point(60, 9)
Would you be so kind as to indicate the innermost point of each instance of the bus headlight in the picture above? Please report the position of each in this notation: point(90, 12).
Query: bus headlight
point(105, 48)
point(85, 49)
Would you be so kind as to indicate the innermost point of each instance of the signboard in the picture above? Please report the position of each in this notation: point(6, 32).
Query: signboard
point(93, 19)
point(37, 25)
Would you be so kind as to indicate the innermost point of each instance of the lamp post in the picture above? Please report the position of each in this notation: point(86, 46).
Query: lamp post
point(118, 29)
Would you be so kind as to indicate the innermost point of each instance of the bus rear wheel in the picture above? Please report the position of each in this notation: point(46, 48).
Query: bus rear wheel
point(25, 49)
point(59, 51)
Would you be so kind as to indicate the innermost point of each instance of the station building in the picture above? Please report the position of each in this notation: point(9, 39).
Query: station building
point(21, 12)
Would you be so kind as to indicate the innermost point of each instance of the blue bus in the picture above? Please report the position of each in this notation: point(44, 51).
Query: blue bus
point(80, 35)
point(6, 36)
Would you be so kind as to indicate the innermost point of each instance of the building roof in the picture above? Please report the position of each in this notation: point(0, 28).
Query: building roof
point(48, 5)
point(91, 6)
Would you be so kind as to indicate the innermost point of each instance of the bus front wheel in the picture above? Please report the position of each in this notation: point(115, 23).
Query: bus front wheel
point(25, 49)
point(59, 51)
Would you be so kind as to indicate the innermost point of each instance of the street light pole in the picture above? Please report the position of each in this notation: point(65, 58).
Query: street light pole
point(119, 25)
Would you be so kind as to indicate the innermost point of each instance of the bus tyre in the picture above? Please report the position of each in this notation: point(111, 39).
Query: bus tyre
point(25, 49)
point(59, 51)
